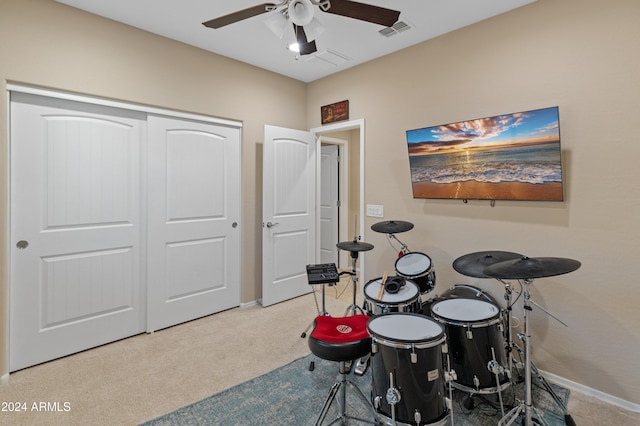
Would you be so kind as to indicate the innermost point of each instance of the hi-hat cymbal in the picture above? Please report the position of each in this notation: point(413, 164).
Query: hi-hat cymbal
point(526, 267)
point(354, 246)
point(474, 264)
point(392, 226)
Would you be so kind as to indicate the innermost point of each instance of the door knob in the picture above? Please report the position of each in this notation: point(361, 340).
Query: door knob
point(271, 225)
point(22, 244)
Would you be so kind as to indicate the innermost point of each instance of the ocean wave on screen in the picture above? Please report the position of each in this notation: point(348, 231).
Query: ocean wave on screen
point(535, 165)
point(489, 173)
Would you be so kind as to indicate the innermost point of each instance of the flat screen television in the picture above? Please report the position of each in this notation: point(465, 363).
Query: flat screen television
point(513, 156)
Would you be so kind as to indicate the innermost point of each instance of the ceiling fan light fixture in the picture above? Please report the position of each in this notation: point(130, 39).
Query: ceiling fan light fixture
point(299, 43)
point(277, 23)
point(308, 48)
point(300, 12)
point(313, 29)
point(294, 47)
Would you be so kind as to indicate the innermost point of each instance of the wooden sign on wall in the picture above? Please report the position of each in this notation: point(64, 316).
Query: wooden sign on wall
point(334, 112)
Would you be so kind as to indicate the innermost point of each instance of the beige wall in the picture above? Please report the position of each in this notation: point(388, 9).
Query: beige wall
point(47, 44)
point(580, 55)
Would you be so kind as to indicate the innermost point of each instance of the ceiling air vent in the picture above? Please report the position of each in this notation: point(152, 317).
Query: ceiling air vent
point(396, 28)
point(332, 57)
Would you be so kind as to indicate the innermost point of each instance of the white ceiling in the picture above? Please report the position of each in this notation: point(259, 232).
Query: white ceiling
point(344, 43)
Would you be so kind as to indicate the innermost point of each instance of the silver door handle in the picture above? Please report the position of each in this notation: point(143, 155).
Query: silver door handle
point(271, 225)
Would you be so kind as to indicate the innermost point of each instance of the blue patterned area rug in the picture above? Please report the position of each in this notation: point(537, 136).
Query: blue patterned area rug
point(293, 395)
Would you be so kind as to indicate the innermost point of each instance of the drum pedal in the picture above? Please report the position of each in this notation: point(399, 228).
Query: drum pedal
point(361, 365)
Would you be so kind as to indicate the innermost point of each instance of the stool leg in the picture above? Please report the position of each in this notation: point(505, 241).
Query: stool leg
point(341, 387)
point(342, 402)
point(327, 403)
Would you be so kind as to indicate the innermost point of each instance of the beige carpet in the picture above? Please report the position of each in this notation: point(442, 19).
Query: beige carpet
point(140, 378)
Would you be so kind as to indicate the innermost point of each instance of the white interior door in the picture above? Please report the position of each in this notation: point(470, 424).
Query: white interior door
point(289, 213)
point(329, 203)
point(194, 214)
point(75, 227)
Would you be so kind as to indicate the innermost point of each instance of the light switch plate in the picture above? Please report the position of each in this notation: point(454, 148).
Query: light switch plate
point(374, 210)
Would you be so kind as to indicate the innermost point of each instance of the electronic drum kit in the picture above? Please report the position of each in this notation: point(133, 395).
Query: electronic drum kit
point(424, 347)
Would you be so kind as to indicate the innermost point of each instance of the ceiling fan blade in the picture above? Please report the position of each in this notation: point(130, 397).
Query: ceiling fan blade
point(237, 16)
point(306, 47)
point(364, 12)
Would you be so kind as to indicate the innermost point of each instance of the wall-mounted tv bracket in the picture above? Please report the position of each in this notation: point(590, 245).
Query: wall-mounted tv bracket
point(492, 202)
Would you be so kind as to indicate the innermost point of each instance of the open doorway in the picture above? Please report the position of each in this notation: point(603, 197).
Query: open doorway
point(349, 136)
point(338, 197)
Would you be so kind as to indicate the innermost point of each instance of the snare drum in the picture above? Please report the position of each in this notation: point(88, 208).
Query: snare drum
point(408, 386)
point(476, 344)
point(406, 299)
point(417, 267)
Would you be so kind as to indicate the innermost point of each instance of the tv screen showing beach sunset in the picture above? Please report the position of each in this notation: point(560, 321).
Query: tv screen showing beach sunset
point(507, 157)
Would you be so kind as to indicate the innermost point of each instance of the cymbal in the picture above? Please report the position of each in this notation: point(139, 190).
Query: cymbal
point(526, 267)
point(392, 226)
point(474, 264)
point(354, 246)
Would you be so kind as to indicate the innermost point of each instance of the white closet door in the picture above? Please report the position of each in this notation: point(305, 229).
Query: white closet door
point(194, 214)
point(75, 227)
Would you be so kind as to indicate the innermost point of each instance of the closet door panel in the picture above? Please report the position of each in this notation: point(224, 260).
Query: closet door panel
point(194, 234)
point(75, 227)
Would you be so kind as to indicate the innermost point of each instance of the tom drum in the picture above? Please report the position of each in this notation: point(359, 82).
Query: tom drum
point(405, 299)
point(417, 266)
point(476, 343)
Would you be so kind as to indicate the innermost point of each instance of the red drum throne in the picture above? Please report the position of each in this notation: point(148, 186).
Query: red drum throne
point(341, 339)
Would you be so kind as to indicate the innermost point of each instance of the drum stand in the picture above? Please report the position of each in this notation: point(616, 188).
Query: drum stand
point(312, 363)
point(450, 376)
point(403, 247)
point(525, 408)
point(361, 363)
point(354, 281)
point(511, 345)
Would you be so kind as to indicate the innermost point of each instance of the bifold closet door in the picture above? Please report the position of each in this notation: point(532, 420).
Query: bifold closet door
point(76, 227)
point(194, 220)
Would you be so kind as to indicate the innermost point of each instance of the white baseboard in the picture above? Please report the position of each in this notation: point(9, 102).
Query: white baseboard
point(248, 304)
point(609, 399)
point(4, 379)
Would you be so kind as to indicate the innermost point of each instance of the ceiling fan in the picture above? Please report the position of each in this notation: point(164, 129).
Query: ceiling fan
point(301, 13)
